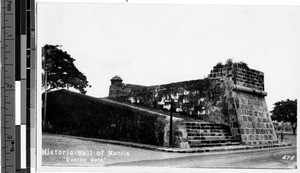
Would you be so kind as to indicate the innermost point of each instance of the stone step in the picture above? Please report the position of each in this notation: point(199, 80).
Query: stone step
point(215, 145)
point(196, 122)
point(200, 124)
point(208, 131)
point(207, 127)
point(212, 141)
point(209, 138)
point(208, 134)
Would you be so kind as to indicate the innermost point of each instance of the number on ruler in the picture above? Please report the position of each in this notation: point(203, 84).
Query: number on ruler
point(12, 148)
point(8, 85)
point(9, 2)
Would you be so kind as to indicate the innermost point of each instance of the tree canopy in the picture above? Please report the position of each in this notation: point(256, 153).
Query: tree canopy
point(286, 111)
point(60, 71)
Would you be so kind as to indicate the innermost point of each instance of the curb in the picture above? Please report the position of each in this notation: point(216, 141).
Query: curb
point(224, 148)
point(179, 150)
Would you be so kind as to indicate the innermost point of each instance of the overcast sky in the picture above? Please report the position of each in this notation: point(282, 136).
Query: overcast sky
point(158, 44)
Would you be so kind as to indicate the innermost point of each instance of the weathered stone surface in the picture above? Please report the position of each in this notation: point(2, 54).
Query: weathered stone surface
point(233, 94)
point(256, 125)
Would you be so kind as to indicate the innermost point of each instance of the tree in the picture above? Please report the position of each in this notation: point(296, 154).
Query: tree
point(286, 111)
point(60, 71)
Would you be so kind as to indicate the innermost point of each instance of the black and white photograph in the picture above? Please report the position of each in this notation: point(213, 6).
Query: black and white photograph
point(153, 86)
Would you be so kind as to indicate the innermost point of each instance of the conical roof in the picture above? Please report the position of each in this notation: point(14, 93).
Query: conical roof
point(117, 78)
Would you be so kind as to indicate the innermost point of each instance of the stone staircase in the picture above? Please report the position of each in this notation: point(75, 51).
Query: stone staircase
point(202, 134)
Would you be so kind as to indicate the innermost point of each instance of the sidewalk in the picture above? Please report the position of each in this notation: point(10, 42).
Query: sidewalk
point(179, 150)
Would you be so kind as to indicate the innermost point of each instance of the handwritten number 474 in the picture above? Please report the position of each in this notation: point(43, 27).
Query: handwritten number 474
point(287, 157)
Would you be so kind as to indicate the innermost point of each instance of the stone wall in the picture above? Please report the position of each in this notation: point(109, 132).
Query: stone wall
point(255, 123)
point(203, 98)
point(76, 114)
point(248, 113)
point(240, 74)
point(233, 94)
point(180, 137)
point(122, 90)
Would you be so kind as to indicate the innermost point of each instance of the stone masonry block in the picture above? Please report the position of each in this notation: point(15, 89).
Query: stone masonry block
point(250, 125)
point(248, 143)
point(245, 137)
point(270, 137)
point(261, 137)
point(254, 125)
point(258, 120)
point(242, 131)
point(254, 119)
point(249, 119)
point(235, 125)
point(247, 131)
point(244, 124)
point(251, 137)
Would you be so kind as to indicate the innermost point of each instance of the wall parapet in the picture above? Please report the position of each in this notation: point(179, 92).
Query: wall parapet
point(249, 90)
point(240, 74)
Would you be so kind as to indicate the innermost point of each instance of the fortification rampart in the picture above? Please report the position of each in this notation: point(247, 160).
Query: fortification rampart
point(232, 94)
point(80, 115)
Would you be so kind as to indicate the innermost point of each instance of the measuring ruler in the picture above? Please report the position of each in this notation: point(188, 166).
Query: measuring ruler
point(8, 141)
point(17, 83)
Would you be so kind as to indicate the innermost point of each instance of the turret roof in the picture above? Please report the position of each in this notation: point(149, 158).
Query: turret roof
point(116, 78)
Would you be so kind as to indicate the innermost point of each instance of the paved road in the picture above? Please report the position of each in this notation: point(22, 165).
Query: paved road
point(100, 154)
point(111, 153)
point(253, 159)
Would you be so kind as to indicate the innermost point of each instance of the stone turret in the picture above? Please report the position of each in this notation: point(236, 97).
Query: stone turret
point(115, 86)
point(116, 80)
